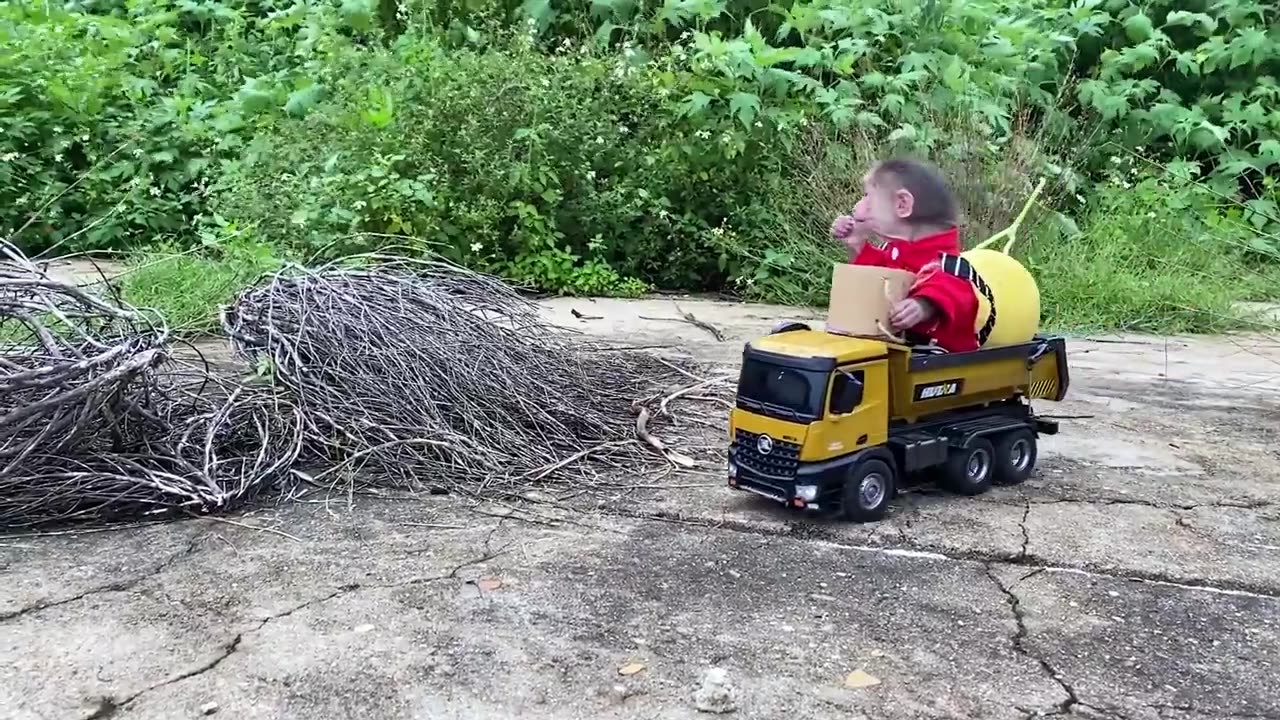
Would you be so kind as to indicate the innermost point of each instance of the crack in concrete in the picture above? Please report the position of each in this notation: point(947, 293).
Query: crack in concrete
point(1163, 708)
point(108, 707)
point(1019, 641)
point(116, 586)
point(1241, 505)
point(1026, 532)
point(1023, 557)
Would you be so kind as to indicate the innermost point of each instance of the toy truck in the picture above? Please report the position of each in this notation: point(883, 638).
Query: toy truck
point(831, 422)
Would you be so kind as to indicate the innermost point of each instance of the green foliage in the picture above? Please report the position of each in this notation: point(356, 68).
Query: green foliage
point(568, 172)
point(112, 122)
point(1194, 81)
point(611, 147)
point(188, 288)
point(1156, 253)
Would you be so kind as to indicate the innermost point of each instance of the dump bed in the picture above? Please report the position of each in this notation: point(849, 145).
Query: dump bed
point(924, 383)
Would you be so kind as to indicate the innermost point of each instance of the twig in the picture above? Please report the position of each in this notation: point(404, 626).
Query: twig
point(688, 316)
point(247, 526)
point(690, 319)
point(438, 526)
point(662, 407)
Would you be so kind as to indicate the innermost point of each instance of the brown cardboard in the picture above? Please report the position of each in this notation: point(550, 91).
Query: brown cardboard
point(861, 295)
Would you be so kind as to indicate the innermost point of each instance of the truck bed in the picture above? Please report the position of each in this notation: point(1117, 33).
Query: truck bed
point(925, 382)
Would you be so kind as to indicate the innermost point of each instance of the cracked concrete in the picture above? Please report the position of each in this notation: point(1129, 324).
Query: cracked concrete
point(1135, 576)
point(1019, 644)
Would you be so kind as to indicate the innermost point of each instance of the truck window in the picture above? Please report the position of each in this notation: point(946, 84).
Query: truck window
point(784, 392)
point(846, 391)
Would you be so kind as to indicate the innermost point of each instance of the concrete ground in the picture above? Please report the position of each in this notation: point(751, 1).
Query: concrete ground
point(1136, 576)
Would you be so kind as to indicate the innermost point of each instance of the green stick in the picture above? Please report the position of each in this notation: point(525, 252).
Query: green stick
point(1012, 230)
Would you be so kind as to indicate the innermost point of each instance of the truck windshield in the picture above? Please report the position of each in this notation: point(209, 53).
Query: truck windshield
point(784, 392)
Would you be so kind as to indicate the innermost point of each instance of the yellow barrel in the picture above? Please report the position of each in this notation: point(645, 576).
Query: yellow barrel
point(1016, 297)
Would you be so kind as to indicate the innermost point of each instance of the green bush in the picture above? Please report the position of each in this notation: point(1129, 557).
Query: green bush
point(189, 288)
point(612, 146)
point(569, 172)
point(1155, 253)
point(78, 136)
point(114, 116)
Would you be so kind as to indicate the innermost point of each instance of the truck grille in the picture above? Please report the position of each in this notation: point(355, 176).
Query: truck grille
point(781, 462)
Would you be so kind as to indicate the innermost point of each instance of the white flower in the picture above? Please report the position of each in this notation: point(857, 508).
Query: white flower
point(155, 191)
point(704, 134)
point(622, 129)
point(9, 157)
point(477, 247)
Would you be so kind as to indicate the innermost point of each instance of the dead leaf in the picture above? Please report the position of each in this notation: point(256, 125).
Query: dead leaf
point(488, 584)
point(630, 669)
point(858, 680)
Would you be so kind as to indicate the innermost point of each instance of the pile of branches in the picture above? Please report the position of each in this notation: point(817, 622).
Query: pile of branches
point(420, 372)
point(99, 422)
point(407, 374)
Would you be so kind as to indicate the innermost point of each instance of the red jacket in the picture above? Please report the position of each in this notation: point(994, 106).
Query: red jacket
point(957, 303)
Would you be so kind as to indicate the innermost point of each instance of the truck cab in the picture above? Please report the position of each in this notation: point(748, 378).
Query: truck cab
point(831, 422)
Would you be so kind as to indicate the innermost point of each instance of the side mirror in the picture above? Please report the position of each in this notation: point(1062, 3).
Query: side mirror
point(846, 392)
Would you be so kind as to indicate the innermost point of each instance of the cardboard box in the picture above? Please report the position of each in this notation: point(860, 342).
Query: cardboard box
point(861, 295)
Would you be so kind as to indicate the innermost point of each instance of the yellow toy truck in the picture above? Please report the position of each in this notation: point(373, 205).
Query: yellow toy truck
point(836, 423)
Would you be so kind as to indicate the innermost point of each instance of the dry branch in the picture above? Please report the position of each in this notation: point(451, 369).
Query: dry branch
point(394, 373)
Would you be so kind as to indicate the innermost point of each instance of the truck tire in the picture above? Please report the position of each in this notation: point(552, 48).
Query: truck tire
point(969, 469)
point(1015, 457)
point(867, 491)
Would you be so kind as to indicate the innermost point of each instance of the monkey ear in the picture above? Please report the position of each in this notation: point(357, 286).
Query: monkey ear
point(903, 203)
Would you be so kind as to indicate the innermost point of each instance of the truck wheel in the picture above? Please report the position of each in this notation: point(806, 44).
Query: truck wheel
point(1015, 457)
point(867, 491)
point(968, 469)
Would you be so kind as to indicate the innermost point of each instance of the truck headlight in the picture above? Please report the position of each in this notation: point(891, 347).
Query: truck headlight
point(732, 469)
point(807, 493)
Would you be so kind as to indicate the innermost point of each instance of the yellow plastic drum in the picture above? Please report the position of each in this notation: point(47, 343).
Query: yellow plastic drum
point(1016, 295)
